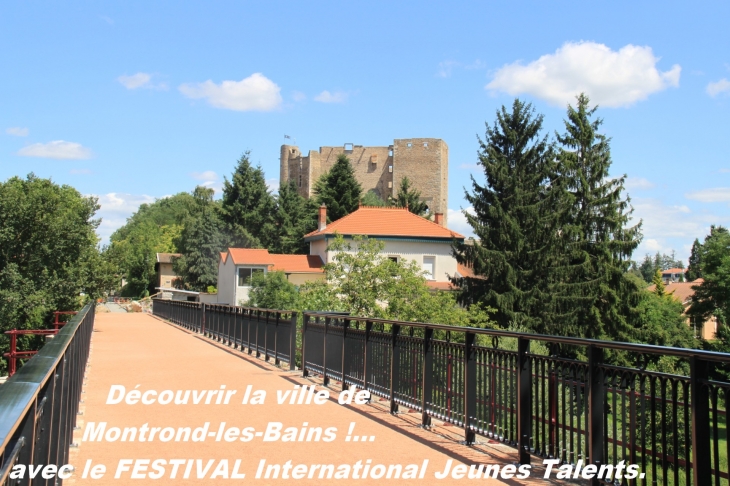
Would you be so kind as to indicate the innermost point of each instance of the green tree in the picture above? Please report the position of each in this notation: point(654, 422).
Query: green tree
point(49, 259)
point(371, 198)
point(659, 289)
point(595, 232)
point(200, 243)
point(693, 269)
point(338, 189)
point(515, 221)
point(247, 206)
point(272, 290)
point(294, 216)
point(409, 197)
point(712, 296)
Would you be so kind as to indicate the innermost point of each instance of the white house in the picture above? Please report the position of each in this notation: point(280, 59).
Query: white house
point(406, 236)
point(237, 265)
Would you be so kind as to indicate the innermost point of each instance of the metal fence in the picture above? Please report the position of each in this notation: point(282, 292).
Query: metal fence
point(39, 404)
point(268, 333)
point(491, 384)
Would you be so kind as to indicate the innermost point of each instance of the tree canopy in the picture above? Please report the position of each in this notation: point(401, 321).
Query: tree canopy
point(409, 197)
point(49, 258)
point(338, 189)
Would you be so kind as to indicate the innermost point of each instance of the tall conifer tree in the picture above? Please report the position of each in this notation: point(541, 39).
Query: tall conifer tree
point(247, 206)
point(294, 216)
point(410, 197)
point(338, 189)
point(595, 232)
point(514, 220)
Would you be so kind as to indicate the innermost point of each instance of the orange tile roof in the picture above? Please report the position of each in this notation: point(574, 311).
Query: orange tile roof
point(439, 285)
point(379, 221)
point(464, 271)
point(276, 262)
point(682, 291)
point(673, 270)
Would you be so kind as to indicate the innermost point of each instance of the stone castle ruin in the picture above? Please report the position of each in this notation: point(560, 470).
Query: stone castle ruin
point(425, 161)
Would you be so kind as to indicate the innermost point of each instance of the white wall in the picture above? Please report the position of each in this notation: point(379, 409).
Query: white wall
point(242, 292)
point(227, 281)
point(445, 263)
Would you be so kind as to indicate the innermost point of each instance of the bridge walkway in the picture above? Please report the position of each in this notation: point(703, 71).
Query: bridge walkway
point(141, 352)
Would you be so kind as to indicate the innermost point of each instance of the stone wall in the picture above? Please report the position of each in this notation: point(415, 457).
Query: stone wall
point(425, 161)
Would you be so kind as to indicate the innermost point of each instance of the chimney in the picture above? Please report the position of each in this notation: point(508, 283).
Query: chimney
point(322, 217)
point(439, 219)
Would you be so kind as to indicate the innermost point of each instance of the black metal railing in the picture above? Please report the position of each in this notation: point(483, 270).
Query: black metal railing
point(520, 389)
point(39, 403)
point(268, 333)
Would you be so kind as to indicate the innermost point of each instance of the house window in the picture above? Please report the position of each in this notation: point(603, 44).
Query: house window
point(245, 274)
point(393, 258)
point(429, 267)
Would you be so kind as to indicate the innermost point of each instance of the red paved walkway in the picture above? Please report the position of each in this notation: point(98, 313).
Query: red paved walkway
point(141, 352)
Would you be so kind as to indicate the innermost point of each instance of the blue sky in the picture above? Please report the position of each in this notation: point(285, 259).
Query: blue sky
point(132, 101)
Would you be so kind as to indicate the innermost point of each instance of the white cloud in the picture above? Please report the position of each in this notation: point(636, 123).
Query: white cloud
point(722, 86)
point(327, 97)
point(135, 81)
point(456, 221)
point(610, 78)
point(208, 175)
point(17, 131)
point(666, 227)
point(115, 209)
point(140, 80)
point(254, 93)
point(715, 194)
point(445, 68)
point(638, 183)
point(58, 149)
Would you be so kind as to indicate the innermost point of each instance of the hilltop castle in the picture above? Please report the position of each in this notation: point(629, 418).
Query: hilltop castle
point(425, 161)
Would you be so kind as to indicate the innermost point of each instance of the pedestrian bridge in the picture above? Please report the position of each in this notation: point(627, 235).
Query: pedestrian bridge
point(220, 393)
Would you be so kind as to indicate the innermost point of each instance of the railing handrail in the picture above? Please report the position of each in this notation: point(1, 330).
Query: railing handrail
point(616, 345)
point(18, 394)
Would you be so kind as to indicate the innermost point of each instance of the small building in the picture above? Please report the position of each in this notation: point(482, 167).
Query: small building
point(683, 292)
point(237, 265)
point(163, 267)
point(406, 236)
point(673, 275)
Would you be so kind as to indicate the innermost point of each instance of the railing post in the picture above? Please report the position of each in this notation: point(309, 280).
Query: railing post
point(266, 336)
point(325, 379)
point(293, 341)
point(427, 376)
point(368, 355)
point(596, 407)
point(700, 403)
point(345, 363)
point(305, 321)
point(524, 401)
point(394, 367)
point(470, 386)
point(202, 319)
point(276, 338)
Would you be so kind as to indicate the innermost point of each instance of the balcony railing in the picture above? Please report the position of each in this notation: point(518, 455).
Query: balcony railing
point(520, 389)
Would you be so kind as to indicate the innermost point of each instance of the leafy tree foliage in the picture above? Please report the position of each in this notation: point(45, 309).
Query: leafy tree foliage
point(153, 228)
point(272, 290)
point(409, 197)
point(514, 220)
point(247, 206)
point(294, 216)
point(712, 296)
point(338, 189)
point(595, 229)
point(49, 258)
point(693, 269)
point(658, 283)
point(371, 198)
point(200, 243)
